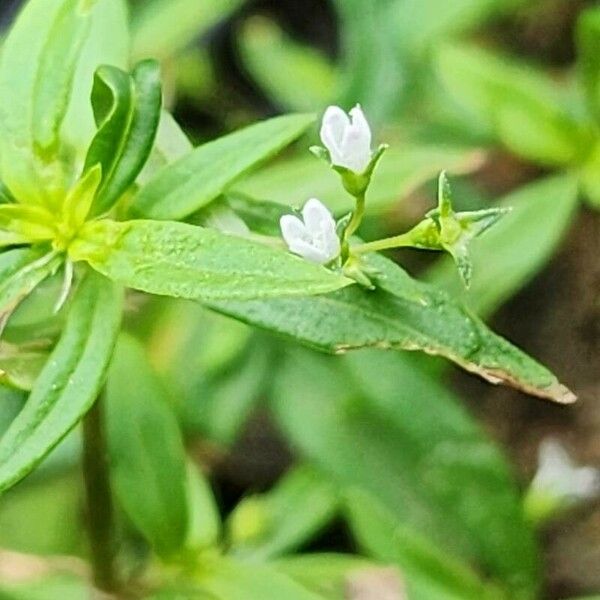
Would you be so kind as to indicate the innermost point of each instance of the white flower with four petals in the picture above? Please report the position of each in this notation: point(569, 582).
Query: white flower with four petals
point(313, 237)
point(347, 138)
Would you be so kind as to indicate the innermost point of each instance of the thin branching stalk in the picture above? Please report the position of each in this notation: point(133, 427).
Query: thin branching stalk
point(99, 505)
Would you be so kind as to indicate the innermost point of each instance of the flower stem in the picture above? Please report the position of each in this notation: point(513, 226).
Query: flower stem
point(357, 217)
point(398, 241)
point(99, 505)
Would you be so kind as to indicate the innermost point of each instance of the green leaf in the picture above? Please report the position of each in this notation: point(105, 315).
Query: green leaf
point(401, 313)
point(217, 383)
point(430, 572)
point(147, 457)
point(522, 108)
point(162, 28)
point(517, 247)
point(263, 527)
point(402, 170)
point(185, 261)
point(70, 381)
point(228, 580)
point(36, 318)
point(39, 60)
point(11, 403)
point(218, 404)
point(306, 80)
point(588, 43)
point(376, 422)
point(127, 110)
point(259, 216)
point(198, 178)
point(590, 178)
point(109, 22)
point(47, 587)
point(370, 69)
point(43, 515)
point(21, 271)
point(329, 574)
point(431, 21)
point(204, 523)
point(21, 367)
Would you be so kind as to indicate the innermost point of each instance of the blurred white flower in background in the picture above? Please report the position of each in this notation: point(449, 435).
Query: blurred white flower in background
point(558, 475)
point(313, 237)
point(558, 483)
point(347, 138)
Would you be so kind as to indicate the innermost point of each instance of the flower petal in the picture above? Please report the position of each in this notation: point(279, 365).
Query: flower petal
point(309, 252)
point(317, 216)
point(293, 229)
point(356, 144)
point(333, 127)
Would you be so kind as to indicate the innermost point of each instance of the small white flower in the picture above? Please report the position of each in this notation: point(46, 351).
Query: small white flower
point(559, 476)
point(347, 138)
point(313, 237)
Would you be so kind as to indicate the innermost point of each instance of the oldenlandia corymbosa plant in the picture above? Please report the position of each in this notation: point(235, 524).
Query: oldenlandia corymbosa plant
point(102, 194)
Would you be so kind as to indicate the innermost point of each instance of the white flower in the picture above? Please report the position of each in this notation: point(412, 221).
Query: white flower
point(347, 138)
point(559, 476)
point(314, 237)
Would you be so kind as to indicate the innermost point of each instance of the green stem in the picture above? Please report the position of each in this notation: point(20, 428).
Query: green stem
point(101, 528)
point(398, 241)
point(357, 217)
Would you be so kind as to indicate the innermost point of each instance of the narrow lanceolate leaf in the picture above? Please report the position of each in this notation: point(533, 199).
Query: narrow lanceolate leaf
point(198, 178)
point(185, 261)
point(39, 59)
point(21, 271)
point(70, 381)
point(147, 457)
point(225, 579)
point(163, 28)
point(400, 314)
point(109, 22)
point(276, 523)
point(204, 521)
point(523, 109)
point(330, 574)
point(127, 111)
point(430, 571)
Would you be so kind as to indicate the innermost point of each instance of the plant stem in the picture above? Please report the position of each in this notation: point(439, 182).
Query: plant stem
point(398, 241)
point(101, 528)
point(357, 217)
